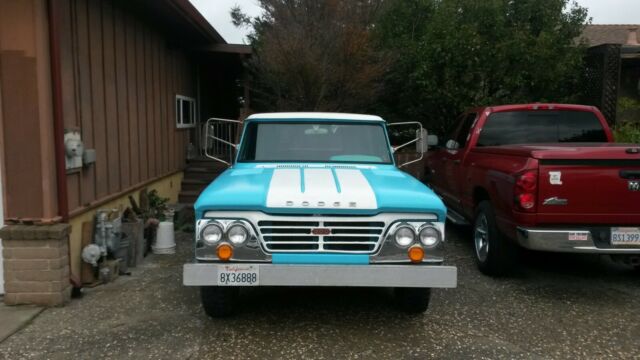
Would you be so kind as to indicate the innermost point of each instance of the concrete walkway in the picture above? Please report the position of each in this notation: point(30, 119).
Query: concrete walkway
point(14, 318)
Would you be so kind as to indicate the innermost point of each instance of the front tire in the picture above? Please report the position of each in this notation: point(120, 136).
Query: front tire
point(495, 255)
point(219, 301)
point(412, 300)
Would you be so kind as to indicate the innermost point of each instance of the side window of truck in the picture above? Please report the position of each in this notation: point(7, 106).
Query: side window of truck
point(464, 134)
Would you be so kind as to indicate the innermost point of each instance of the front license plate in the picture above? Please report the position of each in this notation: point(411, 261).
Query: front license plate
point(625, 236)
point(238, 275)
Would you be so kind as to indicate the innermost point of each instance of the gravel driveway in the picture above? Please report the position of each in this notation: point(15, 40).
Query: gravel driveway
point(555, 306)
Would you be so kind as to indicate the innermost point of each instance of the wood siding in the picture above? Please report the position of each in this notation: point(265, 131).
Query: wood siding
point(120, 78)
point(26, 115)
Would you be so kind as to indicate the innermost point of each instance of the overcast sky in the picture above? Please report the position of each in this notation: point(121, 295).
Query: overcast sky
point(217, 12)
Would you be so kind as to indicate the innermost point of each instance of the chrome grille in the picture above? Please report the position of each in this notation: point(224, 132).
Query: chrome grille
point(298, 235)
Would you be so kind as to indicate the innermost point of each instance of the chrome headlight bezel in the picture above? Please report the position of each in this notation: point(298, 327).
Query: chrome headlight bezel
point(248, 250)
point(204, 225)
point(417, 226)
point(391, 253)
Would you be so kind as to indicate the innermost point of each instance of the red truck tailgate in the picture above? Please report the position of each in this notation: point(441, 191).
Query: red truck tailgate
point(597, 183)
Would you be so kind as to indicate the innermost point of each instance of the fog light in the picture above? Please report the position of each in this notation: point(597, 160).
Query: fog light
point(224, 252)
point(416, 254)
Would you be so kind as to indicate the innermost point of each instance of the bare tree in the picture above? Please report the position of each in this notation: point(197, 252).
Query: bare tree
point(315, 55)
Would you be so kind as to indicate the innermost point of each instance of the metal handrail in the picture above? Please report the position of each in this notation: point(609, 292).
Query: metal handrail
point(418, 138)
point(215, 138)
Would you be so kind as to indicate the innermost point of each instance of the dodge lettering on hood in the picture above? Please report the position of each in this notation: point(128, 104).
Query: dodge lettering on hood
point(316, 199)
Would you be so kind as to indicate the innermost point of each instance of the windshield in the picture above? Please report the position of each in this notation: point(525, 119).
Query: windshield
point(531, 127)
point(315, 142)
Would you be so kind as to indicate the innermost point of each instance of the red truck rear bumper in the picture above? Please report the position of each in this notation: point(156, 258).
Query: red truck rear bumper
point(573, 240)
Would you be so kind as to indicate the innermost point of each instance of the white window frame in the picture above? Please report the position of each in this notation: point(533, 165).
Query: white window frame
point(180, 121)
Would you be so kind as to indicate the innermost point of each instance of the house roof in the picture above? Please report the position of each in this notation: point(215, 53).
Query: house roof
point(596, 35)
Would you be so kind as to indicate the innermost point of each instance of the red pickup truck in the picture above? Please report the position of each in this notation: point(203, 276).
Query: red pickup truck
point(542, 176)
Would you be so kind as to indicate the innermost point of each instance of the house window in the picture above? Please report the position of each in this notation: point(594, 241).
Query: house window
point(185, 112)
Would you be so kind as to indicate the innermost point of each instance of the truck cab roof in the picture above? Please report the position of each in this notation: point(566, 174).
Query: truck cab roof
point(533, 107)
point(314, 116)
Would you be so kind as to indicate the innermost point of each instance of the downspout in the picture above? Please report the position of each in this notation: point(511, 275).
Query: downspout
point(201, 147)
point(58, 120)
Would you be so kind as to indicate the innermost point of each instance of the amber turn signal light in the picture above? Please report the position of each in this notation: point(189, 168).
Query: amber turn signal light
point(416, 254)
point(224, 252)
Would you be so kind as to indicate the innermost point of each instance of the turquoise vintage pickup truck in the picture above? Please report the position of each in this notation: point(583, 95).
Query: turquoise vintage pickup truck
point(316, 199)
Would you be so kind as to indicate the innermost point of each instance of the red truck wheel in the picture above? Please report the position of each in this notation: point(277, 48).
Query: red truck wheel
point(219, 301)
point(495, 255)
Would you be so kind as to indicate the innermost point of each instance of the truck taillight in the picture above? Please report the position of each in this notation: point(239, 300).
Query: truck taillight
point(525, 191)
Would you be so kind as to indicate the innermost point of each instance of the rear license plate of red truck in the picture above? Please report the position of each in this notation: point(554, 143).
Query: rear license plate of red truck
point(625, 236)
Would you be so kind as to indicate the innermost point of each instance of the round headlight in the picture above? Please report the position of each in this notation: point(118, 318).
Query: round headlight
point(237, 234)
point(430, 236)
point(211, 234)
point(405, 236)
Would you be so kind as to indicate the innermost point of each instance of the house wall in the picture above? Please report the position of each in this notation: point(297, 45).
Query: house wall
point(120, 78)
point(26, 115)
point(168, 186)
point(120, 75)
point(1, 225)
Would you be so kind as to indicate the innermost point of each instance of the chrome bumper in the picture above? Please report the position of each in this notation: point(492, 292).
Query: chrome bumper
point(567, 240)
point(416, 276)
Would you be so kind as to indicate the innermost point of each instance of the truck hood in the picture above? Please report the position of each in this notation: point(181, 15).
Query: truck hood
point(319, 189)
point(568, 151)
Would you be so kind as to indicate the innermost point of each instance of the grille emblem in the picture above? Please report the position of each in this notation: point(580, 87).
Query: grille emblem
point(321, 231)
point(634, 185)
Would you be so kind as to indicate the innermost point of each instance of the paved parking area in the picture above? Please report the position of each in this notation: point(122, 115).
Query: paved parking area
point(555, 306)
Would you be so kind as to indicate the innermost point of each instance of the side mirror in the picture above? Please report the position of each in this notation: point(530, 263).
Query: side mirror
point(418, 140)
point(432, 140)
point(216, 147)
point(452, 145)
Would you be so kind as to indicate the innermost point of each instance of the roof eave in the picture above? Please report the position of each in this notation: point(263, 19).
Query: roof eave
point(196, 19)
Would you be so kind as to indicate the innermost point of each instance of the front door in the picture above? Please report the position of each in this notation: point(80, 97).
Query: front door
point(453, 173)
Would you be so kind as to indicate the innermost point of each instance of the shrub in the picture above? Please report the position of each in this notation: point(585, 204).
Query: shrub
point(627, 132)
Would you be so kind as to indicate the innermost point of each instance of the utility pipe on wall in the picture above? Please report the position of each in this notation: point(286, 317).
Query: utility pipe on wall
point(58, 120)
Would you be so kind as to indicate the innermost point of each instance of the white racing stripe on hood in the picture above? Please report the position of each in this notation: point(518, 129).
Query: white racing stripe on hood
point(317, 189)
